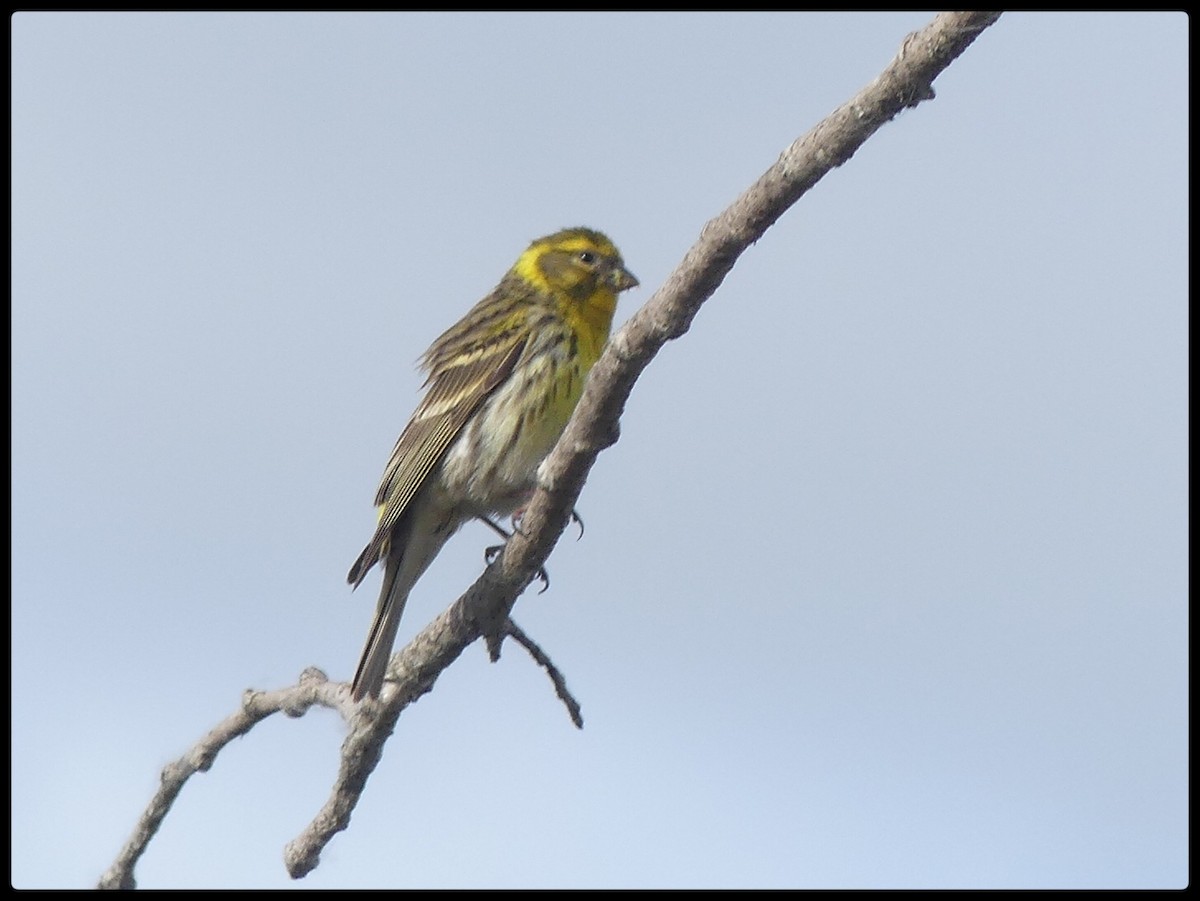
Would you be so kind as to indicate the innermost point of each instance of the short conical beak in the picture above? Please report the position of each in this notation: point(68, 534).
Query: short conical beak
point(622, 279)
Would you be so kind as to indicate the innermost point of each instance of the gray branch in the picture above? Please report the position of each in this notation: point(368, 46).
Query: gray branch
point(483, 611)
point(313, 689)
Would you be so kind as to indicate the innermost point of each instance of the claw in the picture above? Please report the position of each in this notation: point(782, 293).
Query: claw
point(578, 520)
point(492, 552)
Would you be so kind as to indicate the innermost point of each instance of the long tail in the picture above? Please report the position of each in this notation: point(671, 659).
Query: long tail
point(413, 544)
point(368, 678)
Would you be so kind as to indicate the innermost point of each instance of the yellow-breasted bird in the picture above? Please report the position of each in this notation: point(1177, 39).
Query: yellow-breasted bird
point(502, 383)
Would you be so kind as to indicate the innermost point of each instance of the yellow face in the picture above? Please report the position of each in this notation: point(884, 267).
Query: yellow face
point(578, 262)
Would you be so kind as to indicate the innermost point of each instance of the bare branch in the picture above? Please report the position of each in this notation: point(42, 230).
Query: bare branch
point(484, 609)
point(906, 81)
point(543, 660)
point(313, 689)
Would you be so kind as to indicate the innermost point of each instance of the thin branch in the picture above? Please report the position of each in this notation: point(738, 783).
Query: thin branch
point(543, 660)
point(313, 689)
point(484, 609)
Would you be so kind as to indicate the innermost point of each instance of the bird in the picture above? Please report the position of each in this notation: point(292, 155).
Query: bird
point(500, 386)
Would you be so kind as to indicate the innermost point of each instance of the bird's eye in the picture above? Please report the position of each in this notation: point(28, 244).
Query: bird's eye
point(587, 258)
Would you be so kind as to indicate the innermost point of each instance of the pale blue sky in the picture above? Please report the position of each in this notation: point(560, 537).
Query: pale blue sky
point(885, 584)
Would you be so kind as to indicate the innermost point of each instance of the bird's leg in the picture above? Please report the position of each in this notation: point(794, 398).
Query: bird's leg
point(490, 553)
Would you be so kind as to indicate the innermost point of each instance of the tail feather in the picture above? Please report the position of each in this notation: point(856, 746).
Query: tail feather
point(365, 561)
point(372, 666)
point(406, 552)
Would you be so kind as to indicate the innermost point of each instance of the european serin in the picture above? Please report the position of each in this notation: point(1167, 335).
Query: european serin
point(502, 384)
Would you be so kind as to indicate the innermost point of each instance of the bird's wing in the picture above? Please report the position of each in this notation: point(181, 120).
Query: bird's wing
point(455, 393)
